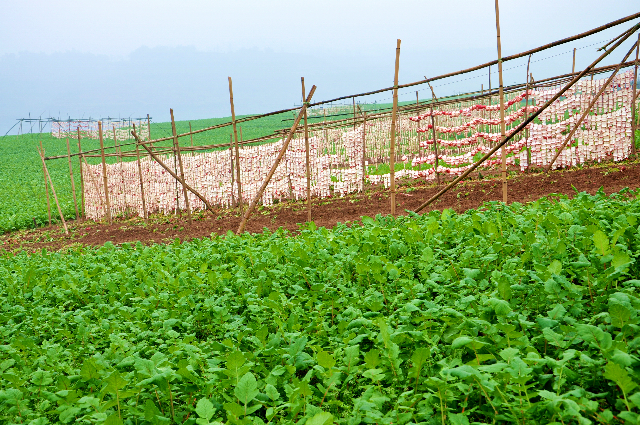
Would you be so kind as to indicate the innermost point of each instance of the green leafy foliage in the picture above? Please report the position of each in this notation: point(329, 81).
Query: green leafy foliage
point(509, 314)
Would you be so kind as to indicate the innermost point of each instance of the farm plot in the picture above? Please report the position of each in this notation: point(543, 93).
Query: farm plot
point(22, 190)
point(519, 314)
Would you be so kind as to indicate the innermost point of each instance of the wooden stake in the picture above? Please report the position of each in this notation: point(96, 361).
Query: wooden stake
point(149, 126)
point(191, 138)
point(81, 175)
point(285, 144)
point(73, 184)
point(144, 203)
point(526, 104)
point(392, 149)
point(233, 179)
point(502, 124)
point(354, 112)
point(306, 147)
point(176, 146)
point(174, 175)
point(435, 140)
point(633, 103)
point(46, 186)
point(364, 136)
point(573, 67)
point(235, 134)
point(490, 101)
point(104, 174)
point(119, 155)
point(53, 191)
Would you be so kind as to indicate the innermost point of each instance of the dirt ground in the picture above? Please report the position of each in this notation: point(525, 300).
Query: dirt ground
point(522, 187)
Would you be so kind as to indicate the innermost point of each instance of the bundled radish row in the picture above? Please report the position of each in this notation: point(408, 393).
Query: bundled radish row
point(341, 158)
point(89, 129)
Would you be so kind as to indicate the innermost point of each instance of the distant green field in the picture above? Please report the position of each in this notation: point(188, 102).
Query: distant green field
point(22, 191)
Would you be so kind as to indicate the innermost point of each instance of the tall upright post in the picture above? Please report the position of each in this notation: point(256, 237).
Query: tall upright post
point(104, 173)
point(354, 112)
point(392, 150)
point(233, 179)
point(490, 100)
point(119, 154)
point(81, 174)
point(573, 67)
point(149, 126)
point(526, 105)
point(364, 148)
point(237, 149)
point(46, 185)
point(144, 204)
point(634, 126)
point(502, 125)
point(435, 140)
point(73, 184)
point(306, 147)
point(191, 138)
point(418, 134)
point(176, 146)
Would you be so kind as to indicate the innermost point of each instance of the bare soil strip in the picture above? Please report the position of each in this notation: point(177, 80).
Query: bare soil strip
point(327, 212)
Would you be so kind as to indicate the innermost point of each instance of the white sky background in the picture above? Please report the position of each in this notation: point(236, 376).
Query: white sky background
point(342, 46)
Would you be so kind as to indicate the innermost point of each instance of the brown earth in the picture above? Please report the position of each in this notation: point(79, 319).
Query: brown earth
point(522, 187)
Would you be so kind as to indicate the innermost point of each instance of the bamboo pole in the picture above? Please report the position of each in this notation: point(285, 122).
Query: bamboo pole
point(285, 144)
point(144, 203)
point(526, 104)
point(104, 174)
point(364, 137)
point(435, 140)
point(119, 154)
point(149, 126)
point(392, 150)
point(174, 175)
point(237, 149)
point(306, 147)
point(633, 102)
point(573, 67)
point(73, 184)
point(533, 116)
point(46, 186)
point(53, 191)
point(354, 113)
point(588, 109)
point(503, 152)
point(233, 179)
point(81, 174)
point(176, 146)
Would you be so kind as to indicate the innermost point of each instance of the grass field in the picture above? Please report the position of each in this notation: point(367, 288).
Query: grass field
point(518, 314)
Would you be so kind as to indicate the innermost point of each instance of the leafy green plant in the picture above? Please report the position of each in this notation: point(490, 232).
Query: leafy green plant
point(506, 314)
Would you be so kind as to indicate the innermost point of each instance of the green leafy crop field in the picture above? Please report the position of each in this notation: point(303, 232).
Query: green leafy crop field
point(509, 314)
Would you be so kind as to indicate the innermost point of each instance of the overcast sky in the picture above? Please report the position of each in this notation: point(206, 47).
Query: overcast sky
point(131, 57)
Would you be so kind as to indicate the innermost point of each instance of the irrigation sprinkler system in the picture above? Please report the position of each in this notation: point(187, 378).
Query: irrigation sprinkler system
point(568, 119)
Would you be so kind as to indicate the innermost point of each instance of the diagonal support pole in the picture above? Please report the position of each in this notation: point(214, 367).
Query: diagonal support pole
point(252, 206)
point(533, 116)
point(174, 175)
